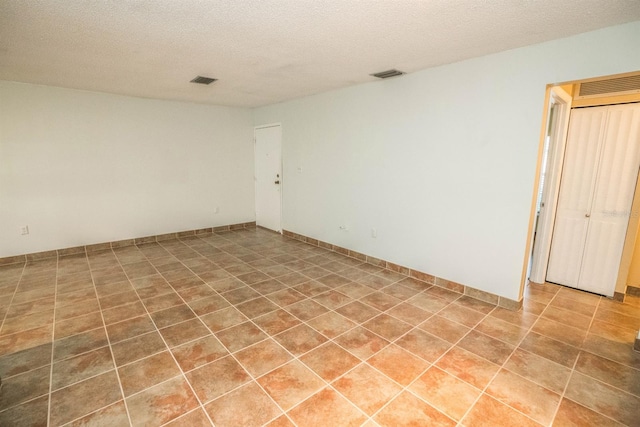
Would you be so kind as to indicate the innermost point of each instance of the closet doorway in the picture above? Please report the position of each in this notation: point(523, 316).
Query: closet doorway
point(596, 192)
point(583, 226)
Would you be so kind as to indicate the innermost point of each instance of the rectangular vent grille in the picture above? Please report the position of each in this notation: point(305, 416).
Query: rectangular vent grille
point(388, 73)
point(203, 80)
point(615, 86)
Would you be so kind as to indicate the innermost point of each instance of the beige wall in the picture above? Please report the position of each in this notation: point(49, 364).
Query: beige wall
point(633, 279)
point(630, 262)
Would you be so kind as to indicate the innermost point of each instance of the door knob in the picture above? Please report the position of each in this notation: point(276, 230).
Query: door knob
point(277, 182)
point(587, 215)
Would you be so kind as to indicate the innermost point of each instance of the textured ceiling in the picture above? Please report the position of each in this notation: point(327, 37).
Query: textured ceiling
point(267, 51)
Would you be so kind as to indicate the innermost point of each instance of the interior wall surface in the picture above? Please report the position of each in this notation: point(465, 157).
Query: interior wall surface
point(79, 168)
point(439, 164)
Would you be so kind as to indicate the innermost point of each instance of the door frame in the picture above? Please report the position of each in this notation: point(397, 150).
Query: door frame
point(543, 225)
point(627, 252)
point(255, 180)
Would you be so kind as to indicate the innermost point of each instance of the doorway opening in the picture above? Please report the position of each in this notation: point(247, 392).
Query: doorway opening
point(559, 102)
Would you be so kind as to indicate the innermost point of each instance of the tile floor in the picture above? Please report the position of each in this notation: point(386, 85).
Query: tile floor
point(248, 328)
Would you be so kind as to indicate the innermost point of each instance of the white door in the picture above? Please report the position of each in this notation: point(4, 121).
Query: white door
point(576, 191)
point(596, 192)
point(268, 177)
point(554, 149)
point(611, 209)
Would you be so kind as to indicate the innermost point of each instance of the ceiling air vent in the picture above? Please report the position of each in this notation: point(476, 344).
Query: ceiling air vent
point(610, 87)
point(203, 80)
point(388, 73)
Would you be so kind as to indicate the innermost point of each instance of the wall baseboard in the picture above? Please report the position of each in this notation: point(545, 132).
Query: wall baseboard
point(633, 291)
point(17, 259)
point(425, 277)
point(416, 274)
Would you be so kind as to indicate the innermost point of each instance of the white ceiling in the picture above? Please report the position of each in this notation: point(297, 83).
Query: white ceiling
point(267, 51)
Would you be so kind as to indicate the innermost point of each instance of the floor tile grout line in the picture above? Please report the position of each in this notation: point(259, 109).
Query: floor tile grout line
point(269, 336)
point(603, 382)
point(116, 307)
point(251, 376)
point(569, 310)
point(433, 364)
point(22, 331)
point(266, 313)
point(502, 366)
point(333, 310)
point(168, 349)
point(566, 386)
point(84, 352)
point(230, 354)
point(24, 267)
point(618, 326)
point(615, 312)
point(583, 350)
point(597, 412)
point(359, 324)
point(68, 423)
point(575, 364)
point(11, 304)
point(594, 410)
point(115, 366)
point(538, 315)
point(13, 295)
point(374, 273)
point(53, 341)
point(405, 389)
point(186, 414)
point(615, 308)
point(572, 370)
point(166, 380)
point(548, 306)
point(83, 379)
point(546, 360)
point(330, 386)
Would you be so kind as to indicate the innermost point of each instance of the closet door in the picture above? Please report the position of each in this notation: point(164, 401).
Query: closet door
point(611, 208)
point(596, 193)
point(584, 142)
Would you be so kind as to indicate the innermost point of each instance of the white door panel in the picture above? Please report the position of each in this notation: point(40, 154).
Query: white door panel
point(617, 175)
point(583, 149)
point(268, 176)
point(601, 260)
point(565, 258)
point(586, 128)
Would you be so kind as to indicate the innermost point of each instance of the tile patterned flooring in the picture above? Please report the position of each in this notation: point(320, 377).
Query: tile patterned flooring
point(248, 328)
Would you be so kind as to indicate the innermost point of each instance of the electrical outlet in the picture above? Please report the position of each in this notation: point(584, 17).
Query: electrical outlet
point(216, 210)
point(374, 233)
point(24, 230)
